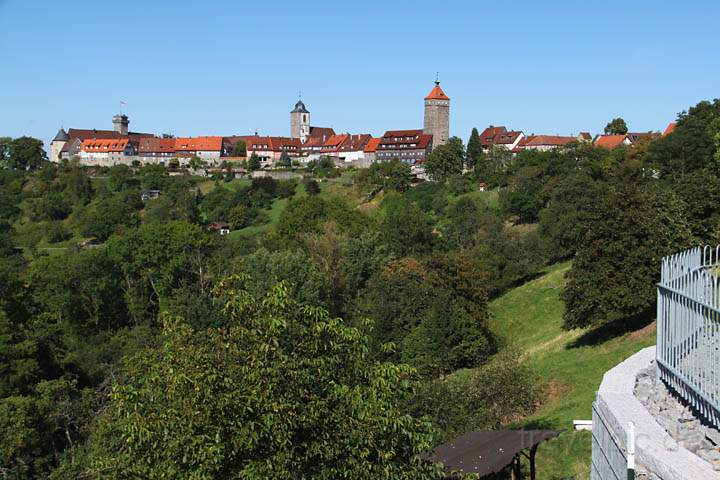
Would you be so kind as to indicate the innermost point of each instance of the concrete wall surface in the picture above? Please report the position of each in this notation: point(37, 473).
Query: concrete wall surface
point(658, 455)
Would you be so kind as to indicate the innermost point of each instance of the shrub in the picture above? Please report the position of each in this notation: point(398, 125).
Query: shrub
point(56, 232)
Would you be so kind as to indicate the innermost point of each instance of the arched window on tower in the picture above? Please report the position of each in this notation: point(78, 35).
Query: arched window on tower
point(304, 118)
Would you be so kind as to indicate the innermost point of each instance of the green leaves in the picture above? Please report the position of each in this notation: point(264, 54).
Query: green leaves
point(285, 391)
point(615, 270)
point(446, 160)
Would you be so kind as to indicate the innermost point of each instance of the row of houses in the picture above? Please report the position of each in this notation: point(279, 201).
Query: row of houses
point(306, 143)
point(112, 147)
point(516, 141)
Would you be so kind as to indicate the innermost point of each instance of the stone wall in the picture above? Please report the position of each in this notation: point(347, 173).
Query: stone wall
point(678, 419)
point(437, 120)
point(658, 455)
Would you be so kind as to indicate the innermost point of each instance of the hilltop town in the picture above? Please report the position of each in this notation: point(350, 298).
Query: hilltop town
point(306, 142)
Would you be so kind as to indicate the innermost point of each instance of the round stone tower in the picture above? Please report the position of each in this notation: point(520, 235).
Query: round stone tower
point(437, 115)
point(300, 122)
point(57, 144)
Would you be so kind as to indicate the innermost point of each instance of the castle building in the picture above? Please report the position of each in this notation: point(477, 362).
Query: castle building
point(300, 122)
point(437, 115)
point(68, 144)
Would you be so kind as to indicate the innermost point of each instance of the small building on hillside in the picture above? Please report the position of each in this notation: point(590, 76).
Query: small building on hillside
point(222, 227)
point(409, 146)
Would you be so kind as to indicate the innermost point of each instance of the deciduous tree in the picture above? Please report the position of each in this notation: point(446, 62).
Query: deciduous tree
point(285, 391)
point(616, 126)
point(446, 160)
point(614, 273)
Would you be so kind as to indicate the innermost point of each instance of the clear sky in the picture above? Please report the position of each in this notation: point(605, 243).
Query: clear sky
point(211, 67)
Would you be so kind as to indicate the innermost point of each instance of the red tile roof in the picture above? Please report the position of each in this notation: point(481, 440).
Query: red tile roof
point(498, 136)
point(356, 143)
point(105, 145)
point(195, 144)
point(610, 141)
point(548, 140)
point(487, 136)
point(321, 132)
point(333, 143)
point(506, 138)
point(402, 133)
point(318, 136)
point(156, 145)
point(670, 129)
point(372, 144)
point(404, 139)
point(437, 93)
point(257, 143)
point(84, 134)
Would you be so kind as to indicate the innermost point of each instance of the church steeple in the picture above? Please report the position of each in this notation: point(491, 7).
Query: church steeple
point(300, 121)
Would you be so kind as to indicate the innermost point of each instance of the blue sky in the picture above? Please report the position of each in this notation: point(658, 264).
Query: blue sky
point(212, 67)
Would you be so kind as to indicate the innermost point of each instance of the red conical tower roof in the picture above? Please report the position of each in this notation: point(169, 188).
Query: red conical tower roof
point(437, 93)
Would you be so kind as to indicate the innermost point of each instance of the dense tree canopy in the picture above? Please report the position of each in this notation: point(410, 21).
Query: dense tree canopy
point(23, 153)
point(283, 391)
point(615, 270)
point(392, 175)
point(692, 144)
point(119, 358)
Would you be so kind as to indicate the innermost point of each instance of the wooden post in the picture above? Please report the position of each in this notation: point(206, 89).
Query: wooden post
point(533, 450)
point(516, 472)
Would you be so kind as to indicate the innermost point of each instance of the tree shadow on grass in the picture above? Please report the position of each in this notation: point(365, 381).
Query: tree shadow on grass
point(536, 424)
point(608, 331)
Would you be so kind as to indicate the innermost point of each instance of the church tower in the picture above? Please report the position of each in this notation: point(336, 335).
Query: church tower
point(300, 122)
point(57, 144)
point(437, 115)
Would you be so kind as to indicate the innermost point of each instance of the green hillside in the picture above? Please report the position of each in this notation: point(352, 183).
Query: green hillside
point(569, 363)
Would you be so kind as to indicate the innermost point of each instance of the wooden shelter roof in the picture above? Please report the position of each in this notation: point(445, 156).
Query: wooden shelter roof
point(487, 452)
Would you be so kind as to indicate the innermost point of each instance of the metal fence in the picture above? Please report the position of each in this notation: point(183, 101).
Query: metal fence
point(608, 455)
point(688, 328)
